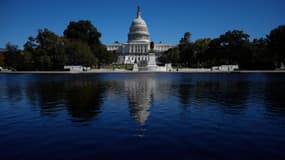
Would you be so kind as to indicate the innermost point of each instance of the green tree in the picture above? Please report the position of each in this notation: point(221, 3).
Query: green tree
point(13, 57)
point(277, 44)
point(82, 30)
point(28, 63)
point(233, 47)
point(46, 51)
point(261, 56)
point(85, 32)
point(213, 55)
point(186, 50)
point(185, 39)
point(29, 51)
point(2, 59)
point(79, 53)
point(170, 56)
point(200, 47)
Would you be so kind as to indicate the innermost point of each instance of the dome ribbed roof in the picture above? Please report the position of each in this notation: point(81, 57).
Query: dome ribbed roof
point(138, 30)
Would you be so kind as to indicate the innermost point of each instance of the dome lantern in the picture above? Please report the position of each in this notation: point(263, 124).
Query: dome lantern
point(138, 12)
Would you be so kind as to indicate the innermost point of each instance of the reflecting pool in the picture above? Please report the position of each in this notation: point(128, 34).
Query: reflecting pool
point(142, 116)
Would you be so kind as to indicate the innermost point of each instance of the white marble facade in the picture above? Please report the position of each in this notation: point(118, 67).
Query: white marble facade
point(138, 46)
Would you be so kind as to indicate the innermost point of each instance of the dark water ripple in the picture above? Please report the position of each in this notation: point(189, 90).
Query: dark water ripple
point(142, 116)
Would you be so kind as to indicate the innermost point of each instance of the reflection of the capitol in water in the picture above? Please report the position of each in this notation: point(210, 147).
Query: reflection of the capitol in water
point(141, 92)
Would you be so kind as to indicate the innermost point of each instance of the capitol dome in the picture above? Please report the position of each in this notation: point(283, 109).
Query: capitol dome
point(138, 30)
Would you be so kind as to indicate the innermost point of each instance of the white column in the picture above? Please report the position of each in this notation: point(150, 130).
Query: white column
point(136, 48)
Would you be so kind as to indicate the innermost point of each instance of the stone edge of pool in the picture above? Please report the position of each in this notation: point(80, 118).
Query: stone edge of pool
point(114, 71)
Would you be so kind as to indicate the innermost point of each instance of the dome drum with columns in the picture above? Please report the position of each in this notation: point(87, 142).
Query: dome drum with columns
point(138, 46)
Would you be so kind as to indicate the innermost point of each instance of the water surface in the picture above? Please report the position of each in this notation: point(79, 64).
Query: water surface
point(142, 116)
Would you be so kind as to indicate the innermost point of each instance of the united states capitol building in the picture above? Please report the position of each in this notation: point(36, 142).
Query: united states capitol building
point(138, 47)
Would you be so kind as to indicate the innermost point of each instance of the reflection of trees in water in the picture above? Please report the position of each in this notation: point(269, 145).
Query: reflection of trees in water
point(275, 97)
point(14, 93)
point(84, 99)
point(81, 97)
point(184, 91)
point(231, 95)
point(12, 90)
point(48, 95)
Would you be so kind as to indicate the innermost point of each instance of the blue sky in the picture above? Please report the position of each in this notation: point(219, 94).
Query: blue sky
point(167, 19)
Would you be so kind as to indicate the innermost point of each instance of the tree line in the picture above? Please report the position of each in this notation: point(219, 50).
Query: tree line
point(79, 45)
point(232, 47)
